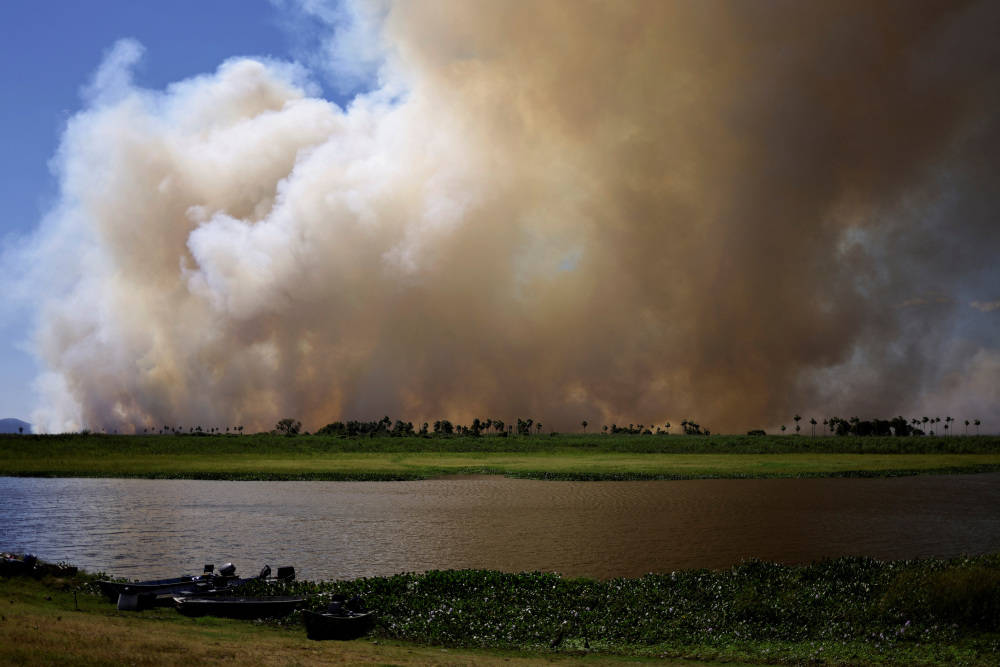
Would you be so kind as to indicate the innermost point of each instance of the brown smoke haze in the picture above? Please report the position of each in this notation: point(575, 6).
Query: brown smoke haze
point(612, 211)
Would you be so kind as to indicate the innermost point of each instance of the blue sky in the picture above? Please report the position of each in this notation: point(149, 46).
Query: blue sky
point(47, 53)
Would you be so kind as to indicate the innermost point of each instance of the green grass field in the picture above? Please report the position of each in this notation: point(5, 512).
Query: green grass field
point(593, 457)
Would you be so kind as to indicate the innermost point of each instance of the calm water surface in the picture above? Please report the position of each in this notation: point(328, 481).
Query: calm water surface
point(335, 530)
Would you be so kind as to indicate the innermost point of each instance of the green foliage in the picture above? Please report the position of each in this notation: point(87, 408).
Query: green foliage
point(286, 426)
point(840, 602)
point(840, 611)
point(966, 596)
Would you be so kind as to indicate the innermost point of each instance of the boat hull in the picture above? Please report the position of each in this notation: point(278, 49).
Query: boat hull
point(112, 589)
point(233, 607)
point(320, 626)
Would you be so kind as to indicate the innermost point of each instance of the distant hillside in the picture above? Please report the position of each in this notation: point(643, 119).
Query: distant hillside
point(11, 425)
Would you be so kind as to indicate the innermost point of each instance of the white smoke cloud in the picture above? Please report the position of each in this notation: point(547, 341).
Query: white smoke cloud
point(113, 79)
point(552, 209)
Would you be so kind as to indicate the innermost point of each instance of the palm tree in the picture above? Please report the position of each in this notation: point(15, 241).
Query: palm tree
point(966, 427)
point(797, 418)
point(812, 422)
point(538, 427)
point(584, 425)
point(667, 426)
point(783, 428)
point(976, 422)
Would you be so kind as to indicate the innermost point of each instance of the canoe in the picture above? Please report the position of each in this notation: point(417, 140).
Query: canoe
point(271, 606)
point(343, 626)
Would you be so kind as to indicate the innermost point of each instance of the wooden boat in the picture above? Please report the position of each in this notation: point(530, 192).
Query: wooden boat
point(271, 606)
point(343, 626)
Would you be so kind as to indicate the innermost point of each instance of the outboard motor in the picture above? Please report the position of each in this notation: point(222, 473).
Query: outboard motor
point(209, 569)
point(286, 573)
point(227, 570)
point(336, 606)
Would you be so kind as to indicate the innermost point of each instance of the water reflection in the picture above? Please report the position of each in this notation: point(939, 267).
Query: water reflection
point(600, 529)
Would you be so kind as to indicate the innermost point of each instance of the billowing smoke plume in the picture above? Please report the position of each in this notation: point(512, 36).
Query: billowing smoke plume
point(612, 211)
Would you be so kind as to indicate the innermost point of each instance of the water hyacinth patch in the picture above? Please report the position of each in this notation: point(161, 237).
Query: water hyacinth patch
point(829, 608)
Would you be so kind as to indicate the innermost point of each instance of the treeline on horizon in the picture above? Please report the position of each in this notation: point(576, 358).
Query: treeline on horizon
point(386, 427)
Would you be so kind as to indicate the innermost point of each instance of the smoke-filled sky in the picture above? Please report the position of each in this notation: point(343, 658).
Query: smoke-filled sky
point(627, 212)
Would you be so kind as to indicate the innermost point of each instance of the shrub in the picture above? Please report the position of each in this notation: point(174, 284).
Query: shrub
point(968, 596)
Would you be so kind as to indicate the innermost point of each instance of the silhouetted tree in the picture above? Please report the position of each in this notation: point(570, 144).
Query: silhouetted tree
point(812, 422)
point(286, 426)
point(584, 425)
point(976, 422)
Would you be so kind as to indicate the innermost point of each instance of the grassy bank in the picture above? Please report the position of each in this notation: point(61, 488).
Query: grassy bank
point(541, 457)
point(843, 611)
point(43, 623)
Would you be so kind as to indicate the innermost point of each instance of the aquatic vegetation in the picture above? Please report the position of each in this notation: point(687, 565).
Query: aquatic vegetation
point(845, 604)
point(840, 611)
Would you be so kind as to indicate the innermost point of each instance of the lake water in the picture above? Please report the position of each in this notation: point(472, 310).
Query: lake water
point(336, 530)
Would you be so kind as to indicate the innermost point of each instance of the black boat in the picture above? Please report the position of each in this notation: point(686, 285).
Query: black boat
point(271, 606)
point(161, 592)
point(342, 620)
point(12, 566)
point(226, 576)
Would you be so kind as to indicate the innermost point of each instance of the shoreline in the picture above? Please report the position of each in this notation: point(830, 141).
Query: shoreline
point(535, 475)
point(854, 611)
